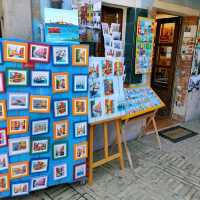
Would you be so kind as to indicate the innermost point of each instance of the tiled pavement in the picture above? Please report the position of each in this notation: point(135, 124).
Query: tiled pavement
point(170, 174)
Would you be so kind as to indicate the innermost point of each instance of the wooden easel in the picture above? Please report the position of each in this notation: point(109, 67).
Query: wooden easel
point(107, 158)
point(149, 118)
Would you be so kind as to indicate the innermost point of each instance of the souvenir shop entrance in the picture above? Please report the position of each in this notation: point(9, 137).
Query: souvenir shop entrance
point(164, 61)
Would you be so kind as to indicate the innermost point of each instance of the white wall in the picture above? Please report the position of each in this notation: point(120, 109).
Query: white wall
point(17, 19)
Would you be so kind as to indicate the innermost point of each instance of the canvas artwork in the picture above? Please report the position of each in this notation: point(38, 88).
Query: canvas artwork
point(15, 51)
point(80, 106)
point(3, 137)
point(3, 161)
point(18, 101)
point(80, 55)
point(60, 55)
point(80, 151)
point(40, 78)
point(19, 170)
point(60, 82)
point(39, 165)
point(17, 77)
point(80, 171)
point(60, 171)
point(19, 189)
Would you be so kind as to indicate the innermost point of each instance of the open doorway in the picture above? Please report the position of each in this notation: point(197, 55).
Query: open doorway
point(164, 60)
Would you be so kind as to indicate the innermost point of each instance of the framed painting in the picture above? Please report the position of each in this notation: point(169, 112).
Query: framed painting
point(40, 78)
point(61, 108)
point(19, 189)
point(40, 104)
point(80, 55)
point(17, 125)
point(18, 101)
point(3, 161)
point(60, 129)
point(17, 77)
point(3, 110)
point(80, 106)
point(3, 137)
point(80, 171)
point(60, 171)
point(2, 82)
point(41, 126)
point(38, 183)
point(39, 52)
point(60, 55)
point(4, 182)
point(15, 51)
point(39, 165)
point(18, 146)
point(40, 145)
point(59, 150)
point(80, 83)
point(80, 151)
point(19, 169)
point(80, 129)
point(60, 82)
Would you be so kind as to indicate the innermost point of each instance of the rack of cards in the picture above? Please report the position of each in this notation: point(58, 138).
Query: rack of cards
point(43, 118)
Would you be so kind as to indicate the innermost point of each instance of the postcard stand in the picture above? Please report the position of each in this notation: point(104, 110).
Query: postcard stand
point(149, 118)
point(107, 158)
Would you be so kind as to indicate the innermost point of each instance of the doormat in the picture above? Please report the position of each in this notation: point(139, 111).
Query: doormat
point(177, 134)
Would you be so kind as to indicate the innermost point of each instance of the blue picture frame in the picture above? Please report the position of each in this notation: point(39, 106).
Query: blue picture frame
point(74, 171)
point(18, 183)
point(39, 139)
point(40, 158)
point(54, 108)
point(40, 85)
point(37, 120)
point(54, 56)
point(75, 131)
point(75, 89)
point(53, 151)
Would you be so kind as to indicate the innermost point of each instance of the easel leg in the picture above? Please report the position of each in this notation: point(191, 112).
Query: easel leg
point(119, 143)
point(156, 131)
point(105, 127)
point(91, 141)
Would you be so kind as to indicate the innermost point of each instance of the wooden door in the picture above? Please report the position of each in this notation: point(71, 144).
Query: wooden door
point(165, 52)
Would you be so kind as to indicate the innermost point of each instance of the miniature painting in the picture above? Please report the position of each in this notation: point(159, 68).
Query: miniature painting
point(61, 129)
point(17, 77)
point(15, 51)
point(19, 170)
point(80, 55)
point(80, 171)
point(3, 161)
point(60, 55)
point(18, 101)
point(3, 110)
point(96, 108)
point(39, 165)
point(18, 145)
point(40, 126)
point(40, 78)
point(19, 189)
point(80, 151)
point(4, 182)
point(17, 125)
point(61, 108)
point(107, 69)
point(80, 106)
point(80, 129)
point(59, 150)
point(3, 137)
point(38, 183)
point(60, 82)
point(80, 83)
point(39, 145)
point(108, 87)
point(40, 104)
point(109, 106)
point(95, 88)
point(2, 82)
point(60, 171)
point(39, 53)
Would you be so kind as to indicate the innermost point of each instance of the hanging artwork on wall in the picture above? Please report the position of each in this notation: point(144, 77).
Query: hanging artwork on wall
point(144, 45)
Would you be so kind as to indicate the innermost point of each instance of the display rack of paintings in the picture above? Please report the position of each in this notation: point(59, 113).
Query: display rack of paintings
point(144, 45)
point(44, 115)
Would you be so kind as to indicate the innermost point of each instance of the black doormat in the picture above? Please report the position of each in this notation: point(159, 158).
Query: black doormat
point(177, 134)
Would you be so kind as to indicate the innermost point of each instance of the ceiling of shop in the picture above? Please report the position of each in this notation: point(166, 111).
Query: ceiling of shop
point(189, 3)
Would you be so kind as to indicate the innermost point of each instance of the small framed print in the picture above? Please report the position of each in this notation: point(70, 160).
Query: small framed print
point(80, 106)
point(40, 145)
point(19, 170)
point(1, 54)
point(61, 108)
point(40, 78)
point(80, 54)
point(40, 126)
point(2, 110)
point(15, 51)
point(2, 82)
point(80, 171)
point(60, 82)
point(59, 150)
point(18, 101)
point(20, 188)
point(40, 104)
point(80, 151)
point(18, 146)
point(60, 129)
point(39, 165)
point(4, 182)
point(60, 55)
point(80, 83)
point(17, 77)
point(17, 125)
point(60, 171)
point(3, 161)
point(39, 53)
point(80, 129)
point(38, 183)
point(3, 137)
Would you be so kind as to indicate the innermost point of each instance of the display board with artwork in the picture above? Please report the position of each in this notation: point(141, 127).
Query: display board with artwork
point(43, 118)
point(144, 45)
